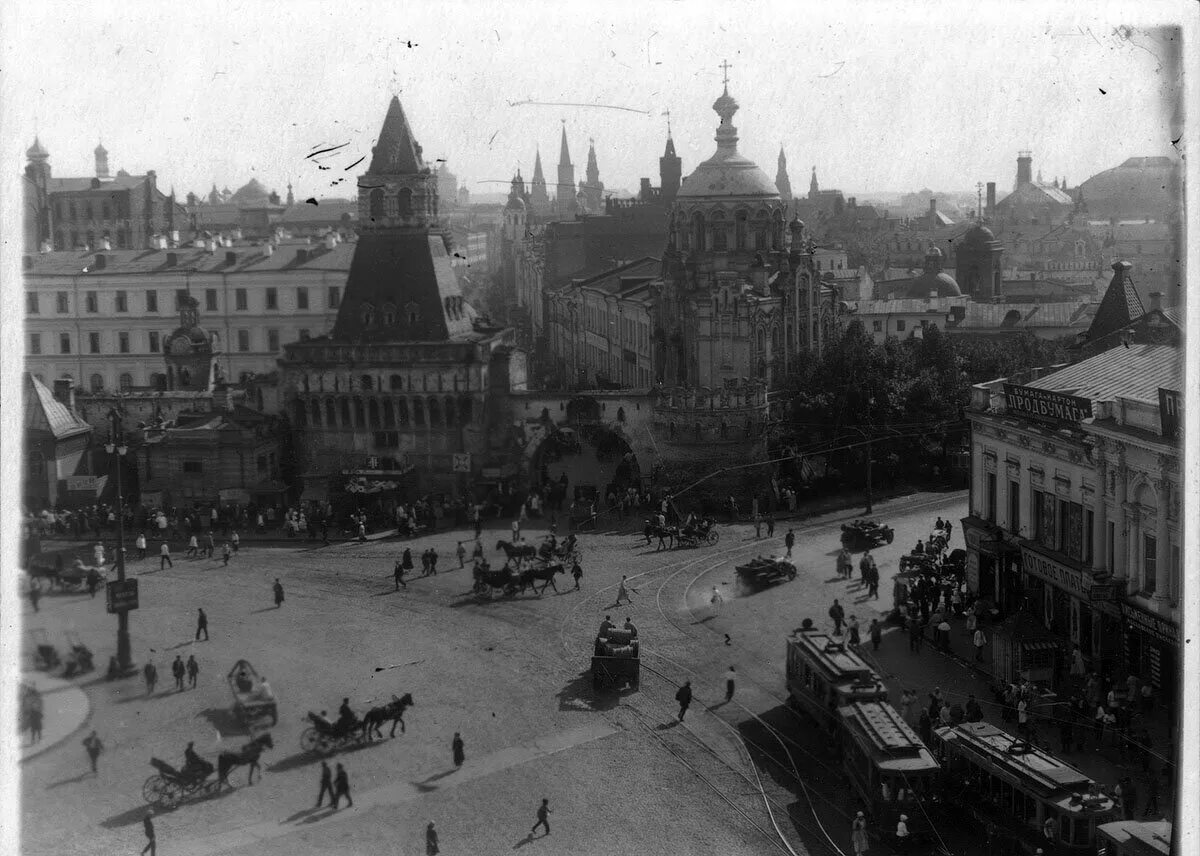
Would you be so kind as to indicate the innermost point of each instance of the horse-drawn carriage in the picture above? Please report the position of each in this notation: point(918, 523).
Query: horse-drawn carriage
point(512, 580)
point(168, 787)
point(551, 549)
point(253, 699)
point(866, 533)
point(765, 571)
point(325, 737)
point(615, 660)
point(701, 532)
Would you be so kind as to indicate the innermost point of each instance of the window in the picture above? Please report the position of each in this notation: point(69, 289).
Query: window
point(272, 298)
point(154, 343)
point(404, 201)
point(151, 301)
point(305, 335)
point(1110, 545)
point(193, 467)
point(64, 303)
point(125, 382)
point(302, 297)
point(64, 343)
point(335, 297)
point(92, 302)
point(1044, 519)
point(181, 296)
point(877, 326)
point(1149, 563)
point(122, 301)
point(210, 300)
point(1089, 531)
point(900, 326)
point(272, 340)
point(243, 340)
point(106, 212)
point(35, 343)
point(1014, 507)
point(239, 299)
point(96, 383)
point(123, 343)
point(31, 303)
point(990, 507)
point(93, 343)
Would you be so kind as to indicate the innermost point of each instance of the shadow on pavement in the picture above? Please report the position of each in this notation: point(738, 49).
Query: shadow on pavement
point(581, 695)
point(70, 781)
point(225, 721)
point(294, 762)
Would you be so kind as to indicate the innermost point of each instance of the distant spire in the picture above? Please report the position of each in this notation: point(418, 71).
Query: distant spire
point(291, 199)
point(782, 182)
point(537, 168)
point(396, 153)
point(564, 155)
point(813, 189)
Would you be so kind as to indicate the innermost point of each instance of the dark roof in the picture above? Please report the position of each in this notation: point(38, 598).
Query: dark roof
point(120, 182)
point(1136, 372)
point(396, 153)
point(250, 259)
point(1119, 306)
point(614, 277)
point(325, 211)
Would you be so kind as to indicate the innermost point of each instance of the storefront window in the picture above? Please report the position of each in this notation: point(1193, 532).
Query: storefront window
point(990, 500)
point(1149, 563)
point(1014, 507)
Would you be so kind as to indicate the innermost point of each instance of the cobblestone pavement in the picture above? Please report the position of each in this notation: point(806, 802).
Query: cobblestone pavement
point(510, 674)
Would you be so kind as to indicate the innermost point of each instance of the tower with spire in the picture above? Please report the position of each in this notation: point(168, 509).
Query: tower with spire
point(781, 179)
point(814, 189)
point(291, 198)
point(670, 170)
point(539, 199)
point(101, 161)
point(564, 202)
point(593, 187)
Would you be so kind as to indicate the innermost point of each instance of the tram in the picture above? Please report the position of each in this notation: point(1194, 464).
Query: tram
point(891, 770)
point(1013, 789)
point(1134, 838)
point(824, 675)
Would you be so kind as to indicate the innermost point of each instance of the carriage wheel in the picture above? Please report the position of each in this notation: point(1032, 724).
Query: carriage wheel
point(713, 536)
point(479, 587)
point(154, 789)
point(309, 740)
point(325, 744)
point(890, 536)
point(510, 590)
point(171, 794)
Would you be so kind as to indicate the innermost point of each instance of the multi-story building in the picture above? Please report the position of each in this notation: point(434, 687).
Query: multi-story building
point(103, 317)
point(1074, 532)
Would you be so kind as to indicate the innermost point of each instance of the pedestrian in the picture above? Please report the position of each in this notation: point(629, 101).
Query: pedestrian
point(715, 600)
point(201, 625)
point(35, 594)
point(623, 592)
point(236, 540)
point(864, 565)
point(164, 556)
point(1049, 832)
point(1147, 699)
point(876, 633)
point(837, 614)
point(1098, 723)
point(226, 553)
point(461, 552)
point(789, 541)
point(325, 533)
point(193, 550)
point(431, 840)
point(178, 670)
point(148, 826)
point(852, 630)
point(456, 748)
point(684, 697)
point(398, 576)
point(278, 587)
point(193, 670)
point(140, 543)
point(210, 545)
point(516, 531)
point(873, 581)
point(93, 581)
point(433, 557)
point(979, 641)
point(845, 563)
point(858, 834)
point(150, 673)
point(36, 715)
point(577, 573)
point(902, 834)
point(944, 633)
point(907, 699)
point(730, 678)
point(925, 727)
point(770, 525)
point(94, 747)
point(326, 785)
point(341, 788)
point(543, 817)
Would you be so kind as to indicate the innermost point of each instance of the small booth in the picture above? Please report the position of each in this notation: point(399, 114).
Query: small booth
point(1024, 650)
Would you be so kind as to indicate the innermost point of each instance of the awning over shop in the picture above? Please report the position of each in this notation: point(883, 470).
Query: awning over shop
point(999, 548)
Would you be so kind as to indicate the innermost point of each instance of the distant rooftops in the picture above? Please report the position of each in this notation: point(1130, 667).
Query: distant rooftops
point(243, 257)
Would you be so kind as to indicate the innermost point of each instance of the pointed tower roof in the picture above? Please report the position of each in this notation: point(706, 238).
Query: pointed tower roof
point(396, 153)
point(813, 187)
point(669, 151)
point(781, 177)
point(37, 151)
point(1120, 305)
point(564, 154)
point(591, 164)
point(537, 168)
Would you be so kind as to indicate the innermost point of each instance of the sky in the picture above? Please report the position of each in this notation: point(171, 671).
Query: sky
point(878, 96)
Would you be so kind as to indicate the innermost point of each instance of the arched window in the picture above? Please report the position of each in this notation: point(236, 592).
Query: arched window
point(760, 230)
point(774, 340)
point(125, 382)
point(359, 416)
point(402, 412)
point(316, 412)
point(412, 312)
point(299, 412)
point(367, 314)
point(389, 416)
point(396, 382)
point(377, 202)
point(698, 232)
point(373, 413)
point(97, 383)
point(344, 407)
point(389, 314)
point(464, 410)
point(720, 237)
point(762, 341)
point(740, 230)
point(418, 413)
point(405, 202)
point(330, 413)
point(364, 383)
point(158, 380)
point(435, 415)
point(185, 377)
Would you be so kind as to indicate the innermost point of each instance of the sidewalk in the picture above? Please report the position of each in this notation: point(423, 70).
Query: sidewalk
point(65, 708)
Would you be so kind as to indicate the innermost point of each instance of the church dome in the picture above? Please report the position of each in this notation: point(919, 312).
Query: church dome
point(251, 191)
point(929, 282)
point(100, 151)
point(979, 236)
point(727, 173)
point(37, 150)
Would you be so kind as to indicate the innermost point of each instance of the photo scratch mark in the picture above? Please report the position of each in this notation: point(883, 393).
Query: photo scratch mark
point(577, 104)
point(836, 69)
point(323, 151)
point(356, 163)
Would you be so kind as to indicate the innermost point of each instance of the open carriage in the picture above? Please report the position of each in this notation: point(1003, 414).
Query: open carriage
point(615, 660)
point(701, 532)
point(252, 701)
point(168, 787)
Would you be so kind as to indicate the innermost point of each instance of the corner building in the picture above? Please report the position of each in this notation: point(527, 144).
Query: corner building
point(403, 397)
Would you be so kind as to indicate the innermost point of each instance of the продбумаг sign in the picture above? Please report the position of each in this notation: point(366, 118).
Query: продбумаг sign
point(1043, 404)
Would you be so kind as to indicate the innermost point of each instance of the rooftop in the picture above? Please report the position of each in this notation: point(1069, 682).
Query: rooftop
point(44, 412)
point(250, 258)
point(1135, 372)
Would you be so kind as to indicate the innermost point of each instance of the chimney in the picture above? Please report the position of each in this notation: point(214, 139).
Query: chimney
point(932, 208)
point(991, 199)
point(1155, 301)
point(64, 391)
point(231, 258)
point(172, 259)
point(101, 261)
point(1024, 168)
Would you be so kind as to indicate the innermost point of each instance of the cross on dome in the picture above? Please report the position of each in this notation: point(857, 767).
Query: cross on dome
point(725, 66)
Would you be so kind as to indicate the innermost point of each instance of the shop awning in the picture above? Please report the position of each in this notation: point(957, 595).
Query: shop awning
point(1038, 644)
point(999, 548)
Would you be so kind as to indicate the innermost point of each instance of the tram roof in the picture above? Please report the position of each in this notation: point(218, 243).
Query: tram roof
point(1140, 837)
point(831, 655)
point(890, 742)
point(1028, 765)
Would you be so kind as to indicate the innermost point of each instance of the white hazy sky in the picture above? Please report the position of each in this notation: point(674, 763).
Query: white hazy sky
point(878, 96)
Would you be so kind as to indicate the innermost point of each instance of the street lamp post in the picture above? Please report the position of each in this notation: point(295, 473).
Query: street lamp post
point(117, 444)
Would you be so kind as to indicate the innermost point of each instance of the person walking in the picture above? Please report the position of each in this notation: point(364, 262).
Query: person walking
point(623, 592)
point(150, 673)
point(433, 557)
point(456, 749)
point(461, 552)
point(789, 541)
point(36, 716)
point(979, 641)
point(326, 785)
point(838, 615)
point(770, 525)
point(730, 681)
point(873, 580)
point(193, 670)
point(864, 566)
point(201, 625)
point(845, 563)
point(715, 600)
point(907, 699)
point(852, 631)
point(516, 531)
point(543, 817)
point(858, 834)
point(35, 594)
point(278, 588)
point(94, 747)
point(164, 556)
point(193, 550)
point(875, 631)
point(140, 543)
point(431, 840)
point(341, 788)
point(148, 825)
point(916, 634)
point(398, 576)
point(178, 670)
point(902, 834)
point(758, 522)
point(684, 697)
point(226, 554)
point(1023, 717)
point(210, 546)
point(235, 540)
point(577, 573)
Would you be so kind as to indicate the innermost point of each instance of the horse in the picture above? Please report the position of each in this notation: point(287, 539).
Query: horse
point(545, 573)
point(372, 721)
point(517, 551)
point(248, 754)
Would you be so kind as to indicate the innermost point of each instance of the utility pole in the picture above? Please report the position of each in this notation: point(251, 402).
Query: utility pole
point(869, 432)
point(117, 450)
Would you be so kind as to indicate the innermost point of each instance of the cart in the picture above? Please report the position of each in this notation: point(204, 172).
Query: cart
point(45, 655)
point(616, 662)
point(866, 532)
point(250, 703)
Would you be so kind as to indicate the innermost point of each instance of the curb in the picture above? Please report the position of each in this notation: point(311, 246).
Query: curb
point(66, 709)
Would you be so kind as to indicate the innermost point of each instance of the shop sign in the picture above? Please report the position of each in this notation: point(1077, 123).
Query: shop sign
point(1068, 579)
point(84, 483)
point(234, 494)
point(1103, 592)
point(122, 595)
point(1170, 412)
point(1047, 406)
point(1150, 624)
